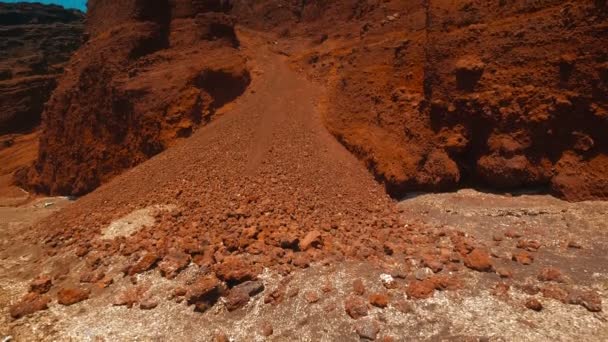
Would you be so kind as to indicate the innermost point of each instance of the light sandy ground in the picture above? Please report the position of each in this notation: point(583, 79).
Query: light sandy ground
point(467, 314)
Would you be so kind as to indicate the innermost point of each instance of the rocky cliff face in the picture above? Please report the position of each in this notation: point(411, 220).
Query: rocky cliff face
point(35, 42)
point(150, 74)
point(431, 95)
point(436, 95)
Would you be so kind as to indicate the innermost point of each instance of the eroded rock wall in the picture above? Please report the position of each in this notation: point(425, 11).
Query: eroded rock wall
point(436, 95)
point(145, 78)
point(35, 42)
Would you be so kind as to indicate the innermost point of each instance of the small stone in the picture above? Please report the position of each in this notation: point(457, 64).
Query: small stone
point(29, 304)
point(220, 336)
point(129, 296)
point(69, 296)
point(529, 245)
point(367, 328)
point(554, 292)
point(143, 264)
point(148, 304)
point(534, 304)
point(504, 272)
point(588, 299)
point(266, 329)
point(301, 260)
point(512, 234)
point(312, 239)
point(235, 270)
point(530, 289)
point(311, 296)
point(236, 300)
point(42, 284)
point(423, 273)
point(355, 307)
point(432, 263)
point(378, 300)
point(574, 244)
point(478, 260)
point(173, 263)
point(388, 281)
point(551, 274)
point(358, 287)
point(420, 289)
point(523, 258)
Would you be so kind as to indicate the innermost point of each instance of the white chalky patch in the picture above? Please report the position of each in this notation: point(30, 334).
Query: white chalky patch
point(133, 222)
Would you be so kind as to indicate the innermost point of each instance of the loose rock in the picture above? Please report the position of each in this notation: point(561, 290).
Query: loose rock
point(69, 296)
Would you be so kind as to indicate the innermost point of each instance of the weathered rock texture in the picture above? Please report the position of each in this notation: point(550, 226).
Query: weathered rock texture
point(431, 95)
point(149, 74)
point(35, 42)
point(435, 95)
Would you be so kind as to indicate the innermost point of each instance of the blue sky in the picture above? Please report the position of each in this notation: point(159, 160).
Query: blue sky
point(79, 4)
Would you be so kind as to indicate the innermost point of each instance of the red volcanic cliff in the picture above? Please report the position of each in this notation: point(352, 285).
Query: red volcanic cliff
point(436, 95)
point(149, 74)
point(431, 95)
point(35, 42)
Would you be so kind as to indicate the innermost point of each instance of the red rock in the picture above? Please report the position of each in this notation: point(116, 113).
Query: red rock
point(42, 284)
point(534, 304)
point(69, 296)
point(445, 282)
point(234, 270)
point(130, 296)
point(432, 263)
point(379, 300)
point(179, 291)
point(29, 304)
point(143, 264)
point(276, 296)
point(523, 258)
point(358, 287)
point(574, 244)
point(301, 260)
point(529, 245)
point(311, 296)
point(173, 263)
point(312, 239)
point(550, 274)
point(206, 288)
point(420, 289)
point(504, 272)
point(512, 234)
point(355, 307)
point(555, 292)
point(478, 260)
point(92, 277)
point(239, 295)
point(236, 300)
